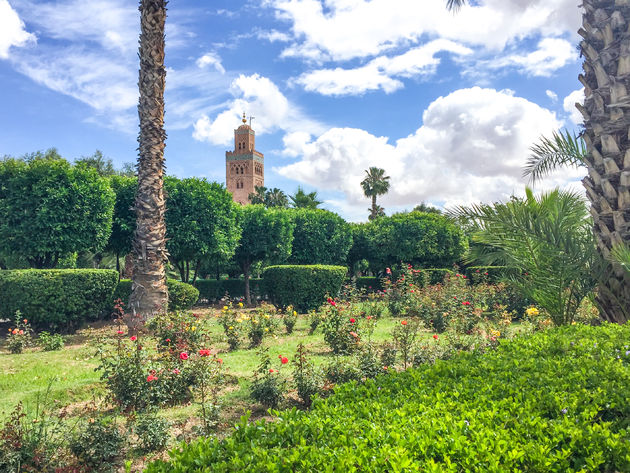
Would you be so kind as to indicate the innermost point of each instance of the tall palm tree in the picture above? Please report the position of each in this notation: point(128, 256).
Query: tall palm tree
point(375, 183)
point(276, 198)
point(149, 294)
point(258, 197)
point(302, 200)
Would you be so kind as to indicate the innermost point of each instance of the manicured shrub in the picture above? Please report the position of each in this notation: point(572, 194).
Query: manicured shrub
point(211, 290)
point(303, 287)
point(552, 402)
point(56, 298)
point(181, 296)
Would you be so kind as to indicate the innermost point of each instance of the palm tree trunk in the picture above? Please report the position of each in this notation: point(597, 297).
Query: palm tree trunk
point(149, 295)
point(606, 111)
point(374, 206)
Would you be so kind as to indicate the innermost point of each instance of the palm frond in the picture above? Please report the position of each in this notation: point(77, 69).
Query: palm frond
point(620, 254)
point(549, 154)
point(454, 5)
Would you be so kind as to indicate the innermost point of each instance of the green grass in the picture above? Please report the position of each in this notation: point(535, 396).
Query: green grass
point(69, 372)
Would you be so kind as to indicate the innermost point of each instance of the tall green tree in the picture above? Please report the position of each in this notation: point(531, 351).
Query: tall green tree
point(149, 294)
point(320, 237)
point(374, 184)
point(124, 219)
point(103, 166)
point(302, 200)
point(50, 209)
point(267, 235)
point(547, 239)
point(202, 223)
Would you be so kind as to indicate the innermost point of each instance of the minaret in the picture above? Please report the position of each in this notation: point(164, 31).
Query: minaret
point(244, 167)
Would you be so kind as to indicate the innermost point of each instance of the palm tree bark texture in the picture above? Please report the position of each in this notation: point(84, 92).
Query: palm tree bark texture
point(149, 295)
point(606, 110)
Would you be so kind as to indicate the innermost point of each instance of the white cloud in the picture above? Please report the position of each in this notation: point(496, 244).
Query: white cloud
point(260, 97)
point(471, 147)
point(211, 59)
point(552, 95)
point(273, 35)
point(577, 96)
point(345, 29)
point(551, 55)
point(380, 72)
point(12, 30)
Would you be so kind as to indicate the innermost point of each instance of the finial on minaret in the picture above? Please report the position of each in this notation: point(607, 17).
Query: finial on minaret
point(244, 119)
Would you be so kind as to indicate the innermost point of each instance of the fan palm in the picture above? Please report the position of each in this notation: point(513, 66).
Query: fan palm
point(374, 184)
point(276, 198)
point(547, 239)
point(149, 294)
point(258, 197)
point(302, 200)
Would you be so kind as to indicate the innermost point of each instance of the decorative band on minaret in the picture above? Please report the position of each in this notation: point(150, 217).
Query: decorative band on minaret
point(244, 167)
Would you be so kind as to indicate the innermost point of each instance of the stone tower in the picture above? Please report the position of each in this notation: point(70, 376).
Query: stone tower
point(244, 167)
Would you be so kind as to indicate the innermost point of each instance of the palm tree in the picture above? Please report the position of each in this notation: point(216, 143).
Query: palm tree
point(302, 200)
point(562, 149)
point(149, 294)
point(276, 198)
point(547, 239)
point(258, 197)
point(375, 183)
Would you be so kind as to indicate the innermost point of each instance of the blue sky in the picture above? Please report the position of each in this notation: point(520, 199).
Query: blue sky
point(447, 104)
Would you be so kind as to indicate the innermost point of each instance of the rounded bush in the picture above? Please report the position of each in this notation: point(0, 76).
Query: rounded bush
point(56, 298)
point(304, 287)
point(181, 296)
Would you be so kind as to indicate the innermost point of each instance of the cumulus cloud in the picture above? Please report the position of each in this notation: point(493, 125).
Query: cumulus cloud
point(551, 55)
point(471, 147)
point(344, 29)
point(12, 30)
point(260, 97)
point(211, 59)
point(552, 95)
point(577, 96)
point(380, 72)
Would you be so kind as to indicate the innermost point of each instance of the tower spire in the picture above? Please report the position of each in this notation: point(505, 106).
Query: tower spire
point(244, 119)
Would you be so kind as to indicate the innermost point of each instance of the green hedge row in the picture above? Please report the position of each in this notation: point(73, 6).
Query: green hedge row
point(181, 296)
point(56, 298)
point(553, 402)
point(305, 287)
point(211, 290)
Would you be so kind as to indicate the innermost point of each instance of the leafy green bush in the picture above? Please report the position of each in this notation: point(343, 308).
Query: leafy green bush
point(368, 283)
point(303, 287)
point(56, 298)
point(181, 296)
point(98, 444)
point(50, 342)
point(152, 432)
point(211, 290)
point(552, 402)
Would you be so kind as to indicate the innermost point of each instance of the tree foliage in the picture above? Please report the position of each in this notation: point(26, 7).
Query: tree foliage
point(267, 234)
point(124, 219)
point(49, 209)
point(302, 200)
point(549, 154)
point(201, 222)
point(320, 237)
point(548, 240)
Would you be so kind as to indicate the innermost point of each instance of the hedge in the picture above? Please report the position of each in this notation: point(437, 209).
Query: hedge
point(56, 298)
point(181, 296)
point(553, 402)
point(369, 283)
point(305, 287)
point(213, 289)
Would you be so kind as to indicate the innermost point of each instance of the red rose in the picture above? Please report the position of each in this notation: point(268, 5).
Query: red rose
point(388, 271)
point(120, 332)
point(404, 322)
point(385, 368)
point(168, 340)
point(435, 336)
point(134, 338)
point(204, 352)
point(271, 370)
point(352, 320)
point(183, 356)
point(151, 378)
point(284, 360)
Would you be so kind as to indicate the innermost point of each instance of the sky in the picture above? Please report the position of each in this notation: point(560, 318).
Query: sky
point(447, 103)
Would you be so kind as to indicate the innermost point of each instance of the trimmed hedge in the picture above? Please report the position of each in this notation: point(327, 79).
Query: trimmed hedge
point(181, 296)
point(56, 298)
point(369, 283)
point(214, 289)
point(553, 402)
point(305, 287)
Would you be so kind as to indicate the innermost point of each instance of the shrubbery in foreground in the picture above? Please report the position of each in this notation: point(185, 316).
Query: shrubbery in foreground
point(554, 402)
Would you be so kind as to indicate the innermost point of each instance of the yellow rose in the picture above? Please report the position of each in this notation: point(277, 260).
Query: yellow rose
point(295, 313)
point(193, 328)
point(240, 304)
point(532, 311)
point(225, 307)
point(230, 328)
point(266, 329)
point(266, 316)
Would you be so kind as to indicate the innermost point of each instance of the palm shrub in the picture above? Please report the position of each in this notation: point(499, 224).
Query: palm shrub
point(548, 241)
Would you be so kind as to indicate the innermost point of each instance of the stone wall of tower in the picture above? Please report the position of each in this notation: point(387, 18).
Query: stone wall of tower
point(244, 167)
